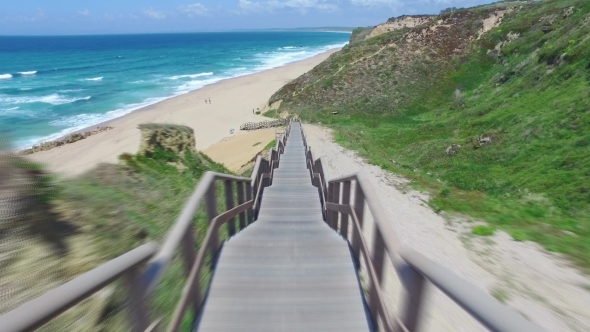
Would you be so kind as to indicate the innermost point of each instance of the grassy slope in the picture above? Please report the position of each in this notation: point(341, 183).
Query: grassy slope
point(125, 206)
point(534, 182)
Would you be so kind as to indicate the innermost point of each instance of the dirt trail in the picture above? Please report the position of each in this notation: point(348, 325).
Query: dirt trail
point(543, 287)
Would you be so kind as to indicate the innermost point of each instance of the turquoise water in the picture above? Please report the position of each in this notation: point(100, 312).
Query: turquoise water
point(51, 86)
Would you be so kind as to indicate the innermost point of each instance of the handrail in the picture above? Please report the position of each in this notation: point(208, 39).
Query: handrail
point(35, 313)
point(193, 278)
point(484, 308)
point(160, 262)
point(412, 268)
point(263, 170)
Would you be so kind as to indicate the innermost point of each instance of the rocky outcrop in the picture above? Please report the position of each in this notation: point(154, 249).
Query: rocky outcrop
point(453, 149)
point(175, 139)
point(397, 23)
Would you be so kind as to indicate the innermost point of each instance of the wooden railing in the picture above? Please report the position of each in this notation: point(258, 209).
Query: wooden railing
point(413, 269)
point(142, 279)
point(34, 314)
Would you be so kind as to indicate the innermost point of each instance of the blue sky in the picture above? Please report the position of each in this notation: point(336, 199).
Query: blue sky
point(18, 17)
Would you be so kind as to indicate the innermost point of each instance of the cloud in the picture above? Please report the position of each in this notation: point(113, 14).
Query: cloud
point(84, 12)
point(154, 14)
point(37, 16)
point(196, 9)
point(376, 3)
point(407, 3)
point(298, 5)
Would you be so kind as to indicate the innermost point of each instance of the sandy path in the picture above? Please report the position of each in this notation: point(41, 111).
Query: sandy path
point(541, 286)
point(232, 103)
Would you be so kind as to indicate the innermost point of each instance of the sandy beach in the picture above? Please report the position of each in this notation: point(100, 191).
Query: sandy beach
point(232, 102)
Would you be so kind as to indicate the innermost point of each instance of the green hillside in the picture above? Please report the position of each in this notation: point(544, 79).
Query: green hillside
point(522, 88)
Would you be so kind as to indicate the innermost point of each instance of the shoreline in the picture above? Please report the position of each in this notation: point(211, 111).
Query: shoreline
point(233, 101)
point(108, 123)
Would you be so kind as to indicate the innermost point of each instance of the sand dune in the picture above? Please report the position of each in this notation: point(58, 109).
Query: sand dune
point(234, 152)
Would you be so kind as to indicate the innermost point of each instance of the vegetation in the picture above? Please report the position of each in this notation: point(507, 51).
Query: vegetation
point(525, 85)
point(483, 230)
point(124, 206)
point(359, 34)
point(501, 295)
point(271, 145)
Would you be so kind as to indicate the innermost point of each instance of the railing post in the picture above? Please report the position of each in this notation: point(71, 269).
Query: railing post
point(229, 204)
point(240, 186)
point(344, 216)
point(263, 167)
point(249, 197)
point(190, 256)
point(320, 169)
point(329, 214)
point(415, 285)
point(267, 180)
point(378, 255)
point(359, 210)
point(336, 200)
point(138, 313)
point(212, 213)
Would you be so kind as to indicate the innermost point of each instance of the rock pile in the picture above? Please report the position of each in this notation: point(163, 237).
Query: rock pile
point(66, 140)
point(453, 149)
point(264, 124)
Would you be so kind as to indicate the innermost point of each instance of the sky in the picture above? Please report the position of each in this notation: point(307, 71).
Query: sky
point(58, 17)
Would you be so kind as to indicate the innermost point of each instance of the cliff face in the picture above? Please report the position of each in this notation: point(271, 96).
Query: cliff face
point(394, 63)
point(397, 23)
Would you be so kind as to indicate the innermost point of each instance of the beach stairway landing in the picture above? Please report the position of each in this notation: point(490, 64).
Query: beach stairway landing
point(289, 271)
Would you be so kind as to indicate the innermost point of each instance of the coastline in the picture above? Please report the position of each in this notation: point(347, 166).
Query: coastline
point(108, 123)
point(232, 100)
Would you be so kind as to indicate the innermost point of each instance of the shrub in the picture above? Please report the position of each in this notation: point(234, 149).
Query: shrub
point(518, 235)
point(483, 230)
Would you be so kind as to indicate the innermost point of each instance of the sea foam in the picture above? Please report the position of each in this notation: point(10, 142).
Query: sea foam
point(9, 111)
point(190, 76)
point(53, 99)
point(5, 76)
point(94, 79)
point(84, 120)
point(33, 72)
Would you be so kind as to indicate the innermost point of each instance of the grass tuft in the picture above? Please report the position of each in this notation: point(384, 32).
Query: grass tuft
point(483, 230)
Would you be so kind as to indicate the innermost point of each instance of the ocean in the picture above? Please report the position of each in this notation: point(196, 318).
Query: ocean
point(54, 85)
